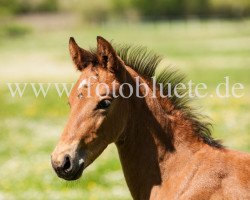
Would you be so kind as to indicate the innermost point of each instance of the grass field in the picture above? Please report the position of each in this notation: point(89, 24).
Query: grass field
point(30, 127)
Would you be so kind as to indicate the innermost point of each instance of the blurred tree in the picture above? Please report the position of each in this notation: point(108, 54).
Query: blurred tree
point(162, 9)
point(171, 8)
point(8, 6)
point(124, 9)
point(104, 10)
point(48, 6)
point(28, 6)
point(230, 8)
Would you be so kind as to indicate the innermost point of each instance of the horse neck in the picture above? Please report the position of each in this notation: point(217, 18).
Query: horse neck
point(152, 139)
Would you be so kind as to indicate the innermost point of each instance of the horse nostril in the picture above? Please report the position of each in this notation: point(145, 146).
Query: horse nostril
point(66, 167)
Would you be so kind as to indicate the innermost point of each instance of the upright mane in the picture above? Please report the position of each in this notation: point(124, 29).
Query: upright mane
point(147, 63)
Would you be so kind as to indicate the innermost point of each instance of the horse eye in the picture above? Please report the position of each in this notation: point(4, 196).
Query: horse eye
point(104, 104)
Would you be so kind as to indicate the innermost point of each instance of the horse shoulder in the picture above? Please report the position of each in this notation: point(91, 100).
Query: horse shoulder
point(211, 174)
point(237, 183)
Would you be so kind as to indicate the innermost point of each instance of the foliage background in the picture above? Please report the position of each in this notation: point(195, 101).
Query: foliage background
point(207, 40)
point(159, 9)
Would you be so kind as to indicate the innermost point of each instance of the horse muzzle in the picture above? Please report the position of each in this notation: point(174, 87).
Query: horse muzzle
point(68, 166)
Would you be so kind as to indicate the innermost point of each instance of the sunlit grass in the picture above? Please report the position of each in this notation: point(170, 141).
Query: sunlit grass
point(30, 127)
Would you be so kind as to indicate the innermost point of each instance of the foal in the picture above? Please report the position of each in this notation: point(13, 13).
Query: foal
point(165, 149)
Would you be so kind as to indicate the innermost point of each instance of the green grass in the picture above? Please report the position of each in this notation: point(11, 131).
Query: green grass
point(30, 127)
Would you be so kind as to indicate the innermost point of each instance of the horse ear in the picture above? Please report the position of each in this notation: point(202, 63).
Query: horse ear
point(81, 58)
point(106, 54)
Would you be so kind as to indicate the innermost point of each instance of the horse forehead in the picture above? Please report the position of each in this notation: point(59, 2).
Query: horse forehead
point(83, 83)
point(89, 78)
point(87, 82)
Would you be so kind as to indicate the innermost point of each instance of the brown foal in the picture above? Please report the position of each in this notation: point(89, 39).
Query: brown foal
point(165, 149)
